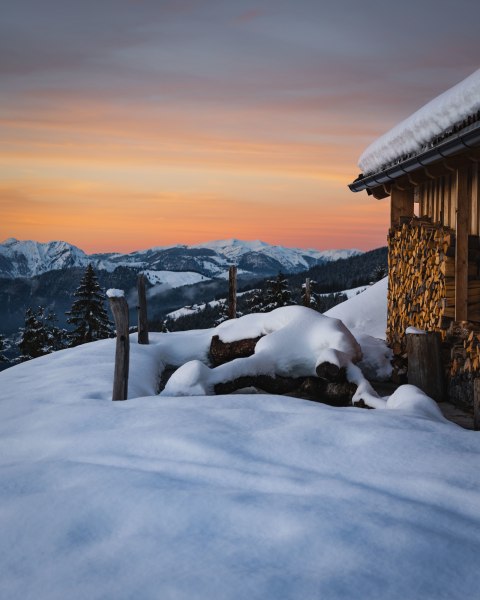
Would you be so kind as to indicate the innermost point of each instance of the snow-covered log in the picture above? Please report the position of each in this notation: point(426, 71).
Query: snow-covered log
point(222, 352)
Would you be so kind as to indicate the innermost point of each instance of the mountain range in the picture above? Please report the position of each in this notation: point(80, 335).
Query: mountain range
point(25, 259)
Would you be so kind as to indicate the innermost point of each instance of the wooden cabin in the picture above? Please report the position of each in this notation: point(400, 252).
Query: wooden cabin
point(429, 168)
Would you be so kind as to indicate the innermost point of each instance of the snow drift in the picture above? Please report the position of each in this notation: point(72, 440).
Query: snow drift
point(226, 497)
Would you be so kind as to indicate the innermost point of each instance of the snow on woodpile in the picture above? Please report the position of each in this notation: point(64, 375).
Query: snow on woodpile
point(433, 119)
point(296, 340)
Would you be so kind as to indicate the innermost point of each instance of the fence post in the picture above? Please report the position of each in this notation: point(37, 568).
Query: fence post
point(119, 308)
point(142, 311)
point(232, 292)
point(307, 297)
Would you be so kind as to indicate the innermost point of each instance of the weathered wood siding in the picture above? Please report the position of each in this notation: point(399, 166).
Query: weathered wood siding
point(437, 198)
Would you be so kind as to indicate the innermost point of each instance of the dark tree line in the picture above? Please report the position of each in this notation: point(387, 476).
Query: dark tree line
point(273, 294)
point(41, 335)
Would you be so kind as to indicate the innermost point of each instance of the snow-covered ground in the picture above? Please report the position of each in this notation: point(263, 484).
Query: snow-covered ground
point(350, 292)
point(231, 497)
point(174, 279)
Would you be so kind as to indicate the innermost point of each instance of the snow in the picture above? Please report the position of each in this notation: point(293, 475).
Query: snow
point(242, 496)
point(113, 293)
point(193, 309)
point(29, 258)
point(433, 119)
point(231, 497)
point(174, 279)
point(365, 315)
point(196, 308)
point(413, 401)
point(290, 258)
point(350, 292)
point(365, 312)
point(415, 330)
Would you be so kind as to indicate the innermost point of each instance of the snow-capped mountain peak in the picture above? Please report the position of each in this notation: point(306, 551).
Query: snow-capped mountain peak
point(29, 258)
point(210, 259)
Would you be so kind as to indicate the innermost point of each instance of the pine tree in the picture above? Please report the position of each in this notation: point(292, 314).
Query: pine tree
point(379, 272)
point(32, 342)
point(40, 335)
point(3, 358)
point(313, 301)
point(88, 314)
point(56, 338)
point(222, 312)
point(255, 301)
point(278, 293)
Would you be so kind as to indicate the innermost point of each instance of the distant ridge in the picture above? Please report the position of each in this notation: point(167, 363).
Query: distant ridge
point(211, 259)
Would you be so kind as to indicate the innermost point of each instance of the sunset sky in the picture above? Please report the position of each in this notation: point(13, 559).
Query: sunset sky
point(126, 124)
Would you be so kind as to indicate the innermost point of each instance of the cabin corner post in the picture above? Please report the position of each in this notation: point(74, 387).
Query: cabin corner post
point(461, 250)
point(401, 204)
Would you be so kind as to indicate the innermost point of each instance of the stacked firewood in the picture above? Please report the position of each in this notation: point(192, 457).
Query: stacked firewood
point(422, 292)
point(420, 279)
point(465, 349)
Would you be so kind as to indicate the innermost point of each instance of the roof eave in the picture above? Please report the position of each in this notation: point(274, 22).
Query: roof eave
point(457, 144)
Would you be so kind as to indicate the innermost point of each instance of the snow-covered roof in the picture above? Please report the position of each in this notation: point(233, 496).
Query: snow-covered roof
point(436, 119)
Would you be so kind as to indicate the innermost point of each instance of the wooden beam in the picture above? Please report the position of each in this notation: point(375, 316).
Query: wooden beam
point(379, 193)
point(461, 252)
point(401, 205)
point(475, 213)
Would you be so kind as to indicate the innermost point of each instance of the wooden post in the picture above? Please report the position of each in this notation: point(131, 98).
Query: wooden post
point(232, 292)
point(476, 404)
point(401, 205)
point(142, 311)
point(461, 250)
point(119, 308)
point(474, 213)
point(425, 368)
point(308, 294)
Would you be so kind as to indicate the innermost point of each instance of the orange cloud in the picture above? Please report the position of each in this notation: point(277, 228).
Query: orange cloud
point(111, 177)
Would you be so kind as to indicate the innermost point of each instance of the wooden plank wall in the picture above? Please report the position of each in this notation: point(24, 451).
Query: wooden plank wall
point(437, 199)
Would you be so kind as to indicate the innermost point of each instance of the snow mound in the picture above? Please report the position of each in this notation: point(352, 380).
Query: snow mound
point(365, 312)
point(413, 401)
point(365, 315)
point(433, 119)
